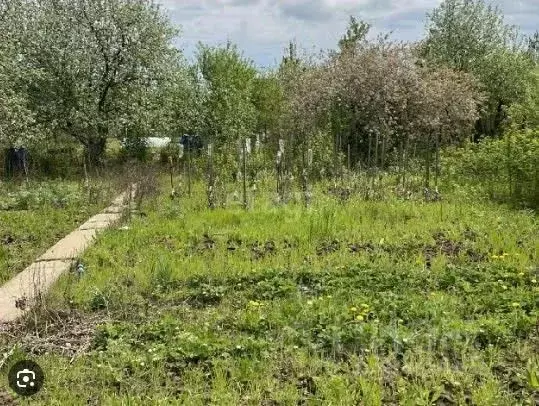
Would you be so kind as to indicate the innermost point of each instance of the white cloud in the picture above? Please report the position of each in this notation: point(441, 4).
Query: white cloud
point(262, 28)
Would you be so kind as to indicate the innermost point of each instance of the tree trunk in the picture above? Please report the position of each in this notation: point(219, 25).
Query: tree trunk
point(401, 163)
point(189, 166)
point(427, 164)
point(244, 175)
point(437, 163)
point(383, 158)
point(405, 162)
point(95, 150)
point(349, 163)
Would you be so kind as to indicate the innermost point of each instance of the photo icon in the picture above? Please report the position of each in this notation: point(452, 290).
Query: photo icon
point(26, 378)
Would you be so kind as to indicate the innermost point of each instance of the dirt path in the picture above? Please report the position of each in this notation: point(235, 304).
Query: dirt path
point(18, 294)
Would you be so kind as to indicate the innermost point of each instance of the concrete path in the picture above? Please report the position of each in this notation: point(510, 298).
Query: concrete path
point(18, 294)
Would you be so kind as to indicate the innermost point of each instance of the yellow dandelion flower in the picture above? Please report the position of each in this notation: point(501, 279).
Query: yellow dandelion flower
point(353, 309)
point(359, 317)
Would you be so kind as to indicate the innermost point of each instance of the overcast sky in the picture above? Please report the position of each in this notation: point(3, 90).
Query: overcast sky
point(262, 28)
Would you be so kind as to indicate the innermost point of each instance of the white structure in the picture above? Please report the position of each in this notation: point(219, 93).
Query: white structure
point(157, 142)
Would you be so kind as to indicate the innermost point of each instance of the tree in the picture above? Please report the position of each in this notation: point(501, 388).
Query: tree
point(355, 33)
point(93, 56)
point(469, 36)
point(268, 98)
point(533, 47)
point(17, 127)
point(525, 115)
point(294, 74)
point(380, 101)
point(228, 80)
point(167, 108)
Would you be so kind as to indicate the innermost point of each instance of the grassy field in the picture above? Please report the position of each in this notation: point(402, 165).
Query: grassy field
point(34, 215)
point(362, 302)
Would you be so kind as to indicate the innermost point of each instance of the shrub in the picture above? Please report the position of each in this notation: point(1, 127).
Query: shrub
point(134, 147)
point(55, 159)
point(506, 168)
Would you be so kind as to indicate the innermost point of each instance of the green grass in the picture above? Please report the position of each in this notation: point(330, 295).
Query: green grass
point(395, 302)
point(34, 216)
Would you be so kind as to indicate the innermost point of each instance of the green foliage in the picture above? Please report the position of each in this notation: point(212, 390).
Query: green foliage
point(355, 33)
point(176, 103)
point(506, 168)
point(117, 50)
point(268, 98)
point(17, 121)
point(533, 47)
point(134, 147)
point(473, 37)
point(228, 80)
point(526, 113)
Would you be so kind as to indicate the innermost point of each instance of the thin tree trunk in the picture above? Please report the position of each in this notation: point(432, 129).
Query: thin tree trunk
point(189, 167)
point(335, 157)
point(437, 163)
point(427, 164)
point(171, 168)
point(304, 178)
point(339, 152)
point(401, 163)
point(376, 151)
point(244, 175)
point(349, 159)
point(383, 163)
point(376, 158)
point(211, 186)
point(405, 162)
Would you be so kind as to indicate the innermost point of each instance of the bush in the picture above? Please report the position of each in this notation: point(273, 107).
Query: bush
point(55, 159)
point(134, 147)
point(506, 168)
point(172, 150)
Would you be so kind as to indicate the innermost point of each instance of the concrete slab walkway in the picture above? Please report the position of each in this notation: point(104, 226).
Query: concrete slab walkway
point(18, 294)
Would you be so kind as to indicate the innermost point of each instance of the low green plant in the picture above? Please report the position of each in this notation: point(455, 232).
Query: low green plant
point(505, 169)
